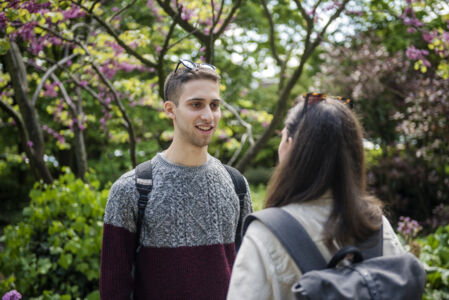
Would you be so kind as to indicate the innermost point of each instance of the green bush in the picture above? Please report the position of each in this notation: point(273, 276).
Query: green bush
point(54, 252)
point(435, 255)
point(258, 196)
point(258, 175)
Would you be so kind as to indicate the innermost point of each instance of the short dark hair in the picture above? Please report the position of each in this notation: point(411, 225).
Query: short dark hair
point(327, 154)
point(175, 81)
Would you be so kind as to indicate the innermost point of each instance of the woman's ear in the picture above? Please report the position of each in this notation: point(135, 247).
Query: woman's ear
point(169, 109)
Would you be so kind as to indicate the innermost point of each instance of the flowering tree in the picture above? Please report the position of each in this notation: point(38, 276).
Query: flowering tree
point(69, 58)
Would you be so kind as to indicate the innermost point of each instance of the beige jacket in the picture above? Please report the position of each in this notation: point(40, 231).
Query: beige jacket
point(264, 270)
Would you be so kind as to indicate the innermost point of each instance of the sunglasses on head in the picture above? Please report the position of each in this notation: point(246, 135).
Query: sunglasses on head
point(192, 66)
point(311, 98)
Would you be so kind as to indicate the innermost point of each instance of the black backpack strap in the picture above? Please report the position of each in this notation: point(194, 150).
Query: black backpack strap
point(240, 189)
point(292, 236)
point(144, 185)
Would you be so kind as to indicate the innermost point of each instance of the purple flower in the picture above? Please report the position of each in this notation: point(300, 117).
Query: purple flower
point(12, 295)
point(30, 144)
point(414, 54)
point(427, 36)
point(411, 30)
point(408, 227)
point(49, 90)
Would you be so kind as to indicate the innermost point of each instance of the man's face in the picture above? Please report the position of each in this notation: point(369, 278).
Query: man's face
point(197, 114)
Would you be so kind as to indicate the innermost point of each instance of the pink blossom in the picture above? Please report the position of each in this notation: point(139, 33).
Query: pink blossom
point(30, 144)
point(158, 49)
point(83, 83)
point(49, 90)
point(127, 67)
point(116, 47)
point(414, 54)
point(74, 12)
point(3, 21)
point(428, 36)
point(186, 14)
point(411, 30)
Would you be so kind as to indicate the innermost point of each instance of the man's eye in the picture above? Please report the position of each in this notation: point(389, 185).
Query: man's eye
point(196, 105)
point(215, 106)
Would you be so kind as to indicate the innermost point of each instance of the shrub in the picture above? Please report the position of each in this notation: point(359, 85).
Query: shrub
point(54, 252)
point(435, 255)
point(258, 196)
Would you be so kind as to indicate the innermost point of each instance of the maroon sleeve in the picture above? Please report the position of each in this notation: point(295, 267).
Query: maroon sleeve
point(117, 258)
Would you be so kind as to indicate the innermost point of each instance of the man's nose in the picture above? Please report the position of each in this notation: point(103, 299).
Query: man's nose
point(207, 114)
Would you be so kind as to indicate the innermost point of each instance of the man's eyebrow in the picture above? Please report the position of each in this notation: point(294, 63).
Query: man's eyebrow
point(202, 99)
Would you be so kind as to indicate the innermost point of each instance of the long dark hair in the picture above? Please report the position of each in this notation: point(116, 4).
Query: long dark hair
point(327, 154)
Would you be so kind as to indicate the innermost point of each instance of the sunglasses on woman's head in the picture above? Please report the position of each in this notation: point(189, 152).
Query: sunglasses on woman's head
point(311, 98)
point(192, 66)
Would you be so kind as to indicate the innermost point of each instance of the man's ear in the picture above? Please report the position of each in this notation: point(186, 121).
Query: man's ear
point(169, 108)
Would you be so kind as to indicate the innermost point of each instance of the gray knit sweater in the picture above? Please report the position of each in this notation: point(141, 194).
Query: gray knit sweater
point(189, 224)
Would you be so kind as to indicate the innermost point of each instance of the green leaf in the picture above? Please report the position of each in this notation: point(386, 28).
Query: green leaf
point(4, 46)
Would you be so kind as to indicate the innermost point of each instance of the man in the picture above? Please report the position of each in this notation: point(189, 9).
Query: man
point(189, 225)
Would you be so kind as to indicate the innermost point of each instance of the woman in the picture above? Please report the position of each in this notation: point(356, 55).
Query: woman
point(320, 180)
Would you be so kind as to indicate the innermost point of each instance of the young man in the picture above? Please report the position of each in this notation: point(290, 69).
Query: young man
point(190, 222)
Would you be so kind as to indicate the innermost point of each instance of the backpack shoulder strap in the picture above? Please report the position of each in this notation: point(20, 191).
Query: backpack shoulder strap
point(238, 181)
point(292, 236)
point(144, 185)
point(240, 190)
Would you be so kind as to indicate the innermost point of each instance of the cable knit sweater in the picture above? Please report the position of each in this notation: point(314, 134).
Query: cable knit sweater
point(188, 234)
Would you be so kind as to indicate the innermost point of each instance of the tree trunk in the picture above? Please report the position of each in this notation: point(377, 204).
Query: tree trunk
point(17, 71)
point(80, 148)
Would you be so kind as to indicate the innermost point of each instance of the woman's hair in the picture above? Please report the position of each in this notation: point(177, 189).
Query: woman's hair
point(327, 154)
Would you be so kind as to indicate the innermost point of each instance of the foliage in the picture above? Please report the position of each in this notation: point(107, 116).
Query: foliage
point(404, 113)
point(258, 196)
point(55, 249)
point(435, 255)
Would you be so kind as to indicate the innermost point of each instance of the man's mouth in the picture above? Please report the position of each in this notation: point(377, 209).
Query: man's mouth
point(205, 128)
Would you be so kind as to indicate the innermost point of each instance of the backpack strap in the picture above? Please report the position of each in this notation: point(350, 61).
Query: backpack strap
point(240, 189)
point(144, 185)
point(292, 236)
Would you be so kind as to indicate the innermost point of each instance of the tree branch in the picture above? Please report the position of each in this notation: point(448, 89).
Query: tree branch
point(272, 34)
point(109, 29)
point(229, 17)
point(122, 10)
point(303, 12)
point(65, 95)
point(20, 124)
point(160, 65)
point(128, 123)
point(245, 124)
point(183, 23)
point(48, 74)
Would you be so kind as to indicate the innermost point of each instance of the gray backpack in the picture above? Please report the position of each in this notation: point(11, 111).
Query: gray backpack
point(369, 276)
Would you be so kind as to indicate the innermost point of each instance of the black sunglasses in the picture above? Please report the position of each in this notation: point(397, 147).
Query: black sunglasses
point(192, 66)
point(311, 98)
